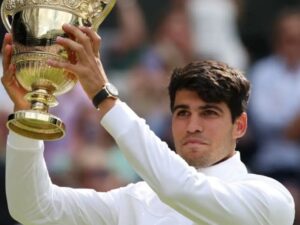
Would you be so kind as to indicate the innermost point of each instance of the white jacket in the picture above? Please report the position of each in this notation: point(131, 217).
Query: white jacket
point(174, 193)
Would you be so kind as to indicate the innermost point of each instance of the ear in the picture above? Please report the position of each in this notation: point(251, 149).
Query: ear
point(240, 126)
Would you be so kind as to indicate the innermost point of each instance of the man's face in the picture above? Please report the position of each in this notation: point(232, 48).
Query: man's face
point(203, 132)
point(288, 41)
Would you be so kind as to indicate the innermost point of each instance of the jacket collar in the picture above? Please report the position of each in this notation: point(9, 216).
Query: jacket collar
point(230, 169)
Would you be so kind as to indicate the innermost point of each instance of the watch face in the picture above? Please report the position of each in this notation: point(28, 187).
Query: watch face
point(112, 89)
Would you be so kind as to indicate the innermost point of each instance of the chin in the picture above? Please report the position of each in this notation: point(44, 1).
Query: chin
point(198, 162)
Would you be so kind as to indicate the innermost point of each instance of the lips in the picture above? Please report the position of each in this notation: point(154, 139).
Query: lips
point(194, 141)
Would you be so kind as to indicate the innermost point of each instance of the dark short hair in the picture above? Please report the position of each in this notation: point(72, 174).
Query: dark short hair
point(214, 82)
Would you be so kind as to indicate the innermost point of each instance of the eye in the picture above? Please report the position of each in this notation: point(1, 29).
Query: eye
point(209, 113)
point(182, 113)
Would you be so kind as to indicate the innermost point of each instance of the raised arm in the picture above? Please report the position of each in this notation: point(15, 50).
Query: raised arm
point(32, 198)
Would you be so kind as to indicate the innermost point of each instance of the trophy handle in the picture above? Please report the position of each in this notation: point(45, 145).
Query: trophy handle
point(4, 17)
point(96, 23)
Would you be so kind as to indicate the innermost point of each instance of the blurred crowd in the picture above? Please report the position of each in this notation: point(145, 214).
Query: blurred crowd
point(142, 41)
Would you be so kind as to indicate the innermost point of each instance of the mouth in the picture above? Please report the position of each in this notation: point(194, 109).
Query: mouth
point(194, 142)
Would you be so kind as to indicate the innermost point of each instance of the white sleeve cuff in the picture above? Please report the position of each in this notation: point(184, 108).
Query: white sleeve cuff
point(23, 143)
point(118, 119)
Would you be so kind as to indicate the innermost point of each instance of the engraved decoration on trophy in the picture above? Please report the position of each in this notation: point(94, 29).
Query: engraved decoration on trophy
point(34, 25)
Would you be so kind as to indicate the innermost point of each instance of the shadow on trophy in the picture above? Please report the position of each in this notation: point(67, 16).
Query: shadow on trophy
point(34, 25)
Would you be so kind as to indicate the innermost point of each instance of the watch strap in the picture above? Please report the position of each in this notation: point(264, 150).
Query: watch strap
point(100, 96)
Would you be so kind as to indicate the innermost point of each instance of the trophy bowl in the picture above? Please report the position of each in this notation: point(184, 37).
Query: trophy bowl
point(35, 25)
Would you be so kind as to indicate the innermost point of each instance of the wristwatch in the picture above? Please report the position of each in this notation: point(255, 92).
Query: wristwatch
point(108, 91)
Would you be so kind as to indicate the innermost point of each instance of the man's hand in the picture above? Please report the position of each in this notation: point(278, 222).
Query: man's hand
point(9, 81)
point(85, 43)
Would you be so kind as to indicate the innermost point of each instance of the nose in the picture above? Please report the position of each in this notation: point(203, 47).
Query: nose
point(194, 125)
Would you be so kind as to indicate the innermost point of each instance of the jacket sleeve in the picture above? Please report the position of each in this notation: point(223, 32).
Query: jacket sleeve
point(203, 199)
point(33, 199)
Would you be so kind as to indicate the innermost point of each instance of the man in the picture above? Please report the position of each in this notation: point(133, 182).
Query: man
point(275, 79)
point(208, 184)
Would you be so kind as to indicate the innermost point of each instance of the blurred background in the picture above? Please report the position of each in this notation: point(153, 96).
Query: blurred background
point(142, 41)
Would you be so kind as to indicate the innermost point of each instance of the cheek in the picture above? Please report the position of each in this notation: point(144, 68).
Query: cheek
point(212, 129)
point(174, 131)
point(177, 130)
point(218, 133)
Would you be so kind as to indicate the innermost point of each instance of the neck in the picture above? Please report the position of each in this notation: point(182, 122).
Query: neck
point(225, 158)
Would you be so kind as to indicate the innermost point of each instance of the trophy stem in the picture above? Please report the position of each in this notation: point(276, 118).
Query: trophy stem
point(39, 106)
point(41, 100)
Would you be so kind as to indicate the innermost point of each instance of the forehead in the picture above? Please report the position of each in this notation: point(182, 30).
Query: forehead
point(190, 99)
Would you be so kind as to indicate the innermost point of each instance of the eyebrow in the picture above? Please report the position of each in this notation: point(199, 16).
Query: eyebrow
point(204, 107)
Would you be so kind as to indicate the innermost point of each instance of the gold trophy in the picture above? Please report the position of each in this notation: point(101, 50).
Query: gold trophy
point(34, 25)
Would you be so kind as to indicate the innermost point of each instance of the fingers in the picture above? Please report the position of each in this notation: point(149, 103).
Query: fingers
point(8, 69)
point(6, 52)
point(72, 46)
point(66, 65)
point(95, 38)
point(81, 38)
point(7, 40)
point(82, 41)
